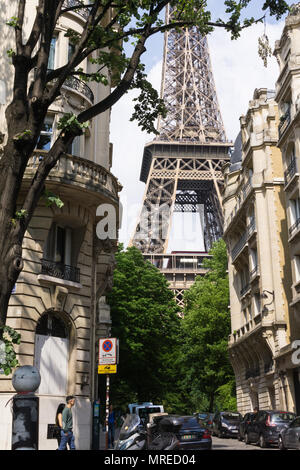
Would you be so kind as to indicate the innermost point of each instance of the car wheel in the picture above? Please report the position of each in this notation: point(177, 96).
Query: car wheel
point(247, 441)
point(262, 441)
point(281, 444)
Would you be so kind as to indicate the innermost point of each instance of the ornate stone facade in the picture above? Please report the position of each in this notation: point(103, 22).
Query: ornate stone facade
point(67, 269)
point(259, 270)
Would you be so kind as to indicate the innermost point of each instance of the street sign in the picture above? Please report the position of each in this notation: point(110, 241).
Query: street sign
point(107, 369)
point(107, 351)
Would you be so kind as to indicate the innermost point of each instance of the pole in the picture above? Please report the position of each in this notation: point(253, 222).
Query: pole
point(107, 410)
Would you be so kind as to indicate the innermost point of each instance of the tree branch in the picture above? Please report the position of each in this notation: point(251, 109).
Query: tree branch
point(19, 27)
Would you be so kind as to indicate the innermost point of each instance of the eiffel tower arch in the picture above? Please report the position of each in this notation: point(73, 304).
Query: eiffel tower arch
point(181, 167)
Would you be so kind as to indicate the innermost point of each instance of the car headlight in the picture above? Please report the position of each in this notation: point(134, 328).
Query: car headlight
point(225, 425)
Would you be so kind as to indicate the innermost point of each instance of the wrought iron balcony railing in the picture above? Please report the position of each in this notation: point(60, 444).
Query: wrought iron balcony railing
point(245, 289)
point(284, 122)
point(74, 84)
point(239, 245)
point(290, 171)
point(60, 270)
point(294, 227)
point(251, 227)
point(78, 85)
point(254, 272)
point(84, 12)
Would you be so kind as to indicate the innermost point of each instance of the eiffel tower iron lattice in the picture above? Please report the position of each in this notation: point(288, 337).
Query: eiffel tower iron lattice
point(182, 165)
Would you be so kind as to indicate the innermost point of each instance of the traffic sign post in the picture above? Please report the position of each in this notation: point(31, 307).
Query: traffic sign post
point(108, 359)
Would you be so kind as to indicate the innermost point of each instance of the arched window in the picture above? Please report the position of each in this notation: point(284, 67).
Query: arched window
point(52, 354)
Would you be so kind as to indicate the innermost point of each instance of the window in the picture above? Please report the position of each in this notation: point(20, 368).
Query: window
point(71, 49)
point(74, 147)
point(59, 244)
point(45, 139)
point(297, 267)
point(257, 304)
point(51, 58)
point(295, 210)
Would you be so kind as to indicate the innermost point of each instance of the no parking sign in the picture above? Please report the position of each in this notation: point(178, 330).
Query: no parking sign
point(108, 351)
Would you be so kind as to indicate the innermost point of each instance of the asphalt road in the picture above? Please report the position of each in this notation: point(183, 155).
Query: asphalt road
point(235, 444)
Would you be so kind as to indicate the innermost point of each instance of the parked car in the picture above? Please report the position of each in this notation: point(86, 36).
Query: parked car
point(205, 418)
point(226, 424)
point(192, 434)
point(289, 437)
point(267, 426)
point(247, 419)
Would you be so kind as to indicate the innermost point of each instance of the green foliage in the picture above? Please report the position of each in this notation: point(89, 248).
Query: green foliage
point(144, 318)
point(225, 397)
point(19, 215)
point(51, 198)
point(10, 53)
point(148, 105)
point(206, 327)
point(69, 122)
point(8, 359)
point(13, 22)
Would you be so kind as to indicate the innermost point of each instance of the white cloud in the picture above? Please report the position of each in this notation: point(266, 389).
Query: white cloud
point(237, 69)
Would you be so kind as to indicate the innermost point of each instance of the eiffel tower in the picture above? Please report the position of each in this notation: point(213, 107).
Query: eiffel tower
point(182, 165)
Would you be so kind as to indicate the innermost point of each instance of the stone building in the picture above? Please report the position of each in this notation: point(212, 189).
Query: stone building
point(58, 304)
point(256, 235)
point(287, 52)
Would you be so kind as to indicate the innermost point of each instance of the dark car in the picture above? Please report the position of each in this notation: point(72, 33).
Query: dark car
point(226, 424)
point(192, 434)
point(289, 437)
point(267, 426)
point(205, 418)
point(247, 419)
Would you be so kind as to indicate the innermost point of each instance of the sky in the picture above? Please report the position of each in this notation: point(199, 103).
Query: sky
point(238, 71)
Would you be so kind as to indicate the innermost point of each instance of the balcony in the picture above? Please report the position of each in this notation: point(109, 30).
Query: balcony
point(81, 87)
point(245, 289)
point(251, 227)
point(77, 172)
point(284, 123)
point(294, 228)
point(290, 171)
point(254, 273)
point(60, 271)
point(83, 12)
point(239, 246)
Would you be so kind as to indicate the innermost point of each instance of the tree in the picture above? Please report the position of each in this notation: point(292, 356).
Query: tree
point(206, 327)
point(144, 318)
point(135, 20)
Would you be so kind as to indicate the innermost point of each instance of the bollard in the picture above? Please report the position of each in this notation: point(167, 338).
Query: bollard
point(25, 425)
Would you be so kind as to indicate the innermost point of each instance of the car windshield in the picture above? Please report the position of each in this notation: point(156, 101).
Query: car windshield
point(232, 416)
point(282, 417)
point(203, 415)
point(130, 424)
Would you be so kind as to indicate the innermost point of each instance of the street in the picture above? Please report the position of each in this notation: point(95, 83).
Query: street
point(235, 444)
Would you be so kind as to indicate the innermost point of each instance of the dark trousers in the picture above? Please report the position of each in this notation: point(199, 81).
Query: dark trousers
point(67, 438)
point(111, 435)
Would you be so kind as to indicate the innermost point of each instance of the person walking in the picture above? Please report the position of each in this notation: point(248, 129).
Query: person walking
point(111, 427)
point(67, 436)
point(58, 422)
